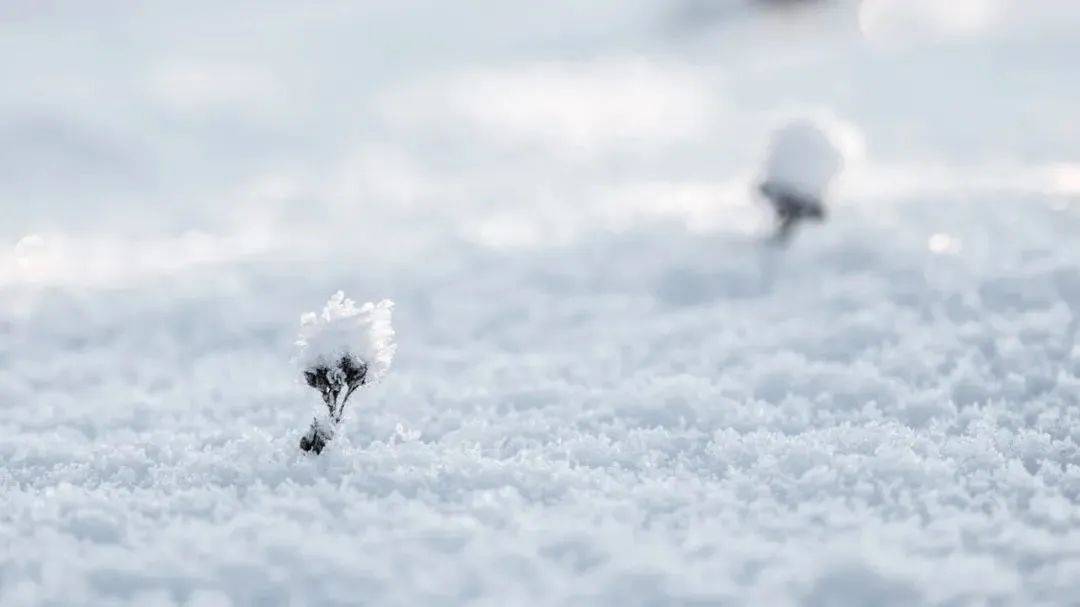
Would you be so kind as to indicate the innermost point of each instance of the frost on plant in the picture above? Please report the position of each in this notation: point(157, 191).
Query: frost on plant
point(800, 164)
point(344, 347)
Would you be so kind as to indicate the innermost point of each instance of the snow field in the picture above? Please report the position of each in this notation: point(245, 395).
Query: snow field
point(646, 418)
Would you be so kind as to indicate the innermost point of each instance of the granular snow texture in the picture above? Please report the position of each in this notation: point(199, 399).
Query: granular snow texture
point(608, 389)
point(652, 418)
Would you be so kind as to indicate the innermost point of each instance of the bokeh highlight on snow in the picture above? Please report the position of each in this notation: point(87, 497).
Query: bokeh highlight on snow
point(606, 390)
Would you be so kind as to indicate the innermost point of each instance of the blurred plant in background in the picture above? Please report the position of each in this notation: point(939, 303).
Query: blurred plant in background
point(800, 165)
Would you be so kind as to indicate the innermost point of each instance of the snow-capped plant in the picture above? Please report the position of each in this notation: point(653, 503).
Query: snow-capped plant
point(800, 164)
point(341, 349)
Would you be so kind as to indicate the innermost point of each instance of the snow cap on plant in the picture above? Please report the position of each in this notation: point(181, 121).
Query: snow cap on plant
point(802, 159)
point(342, 349)
point(364, 333)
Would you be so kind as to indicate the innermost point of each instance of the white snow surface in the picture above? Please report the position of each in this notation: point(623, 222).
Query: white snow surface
point(607, 390)
point(648, 418)
point(344, 329)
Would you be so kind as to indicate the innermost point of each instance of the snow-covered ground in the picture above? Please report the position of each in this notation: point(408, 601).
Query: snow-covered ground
point(607, 389)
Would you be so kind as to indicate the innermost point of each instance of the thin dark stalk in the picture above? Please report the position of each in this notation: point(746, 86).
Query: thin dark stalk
point(347, 375)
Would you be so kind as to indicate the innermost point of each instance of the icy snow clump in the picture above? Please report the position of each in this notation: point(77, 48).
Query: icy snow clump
point(343, 329)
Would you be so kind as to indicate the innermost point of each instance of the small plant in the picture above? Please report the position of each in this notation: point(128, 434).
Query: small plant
point(800, 165)
point(791, 208)
point(341, 349)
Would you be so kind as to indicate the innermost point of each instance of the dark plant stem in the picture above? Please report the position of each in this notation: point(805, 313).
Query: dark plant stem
point(346, 377)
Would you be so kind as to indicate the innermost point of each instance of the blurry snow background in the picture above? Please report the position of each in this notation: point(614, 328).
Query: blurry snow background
point(606, 390)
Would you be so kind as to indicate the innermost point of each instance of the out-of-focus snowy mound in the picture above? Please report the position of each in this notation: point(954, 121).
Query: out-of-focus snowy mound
point(885, 413)
point(802, 160)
